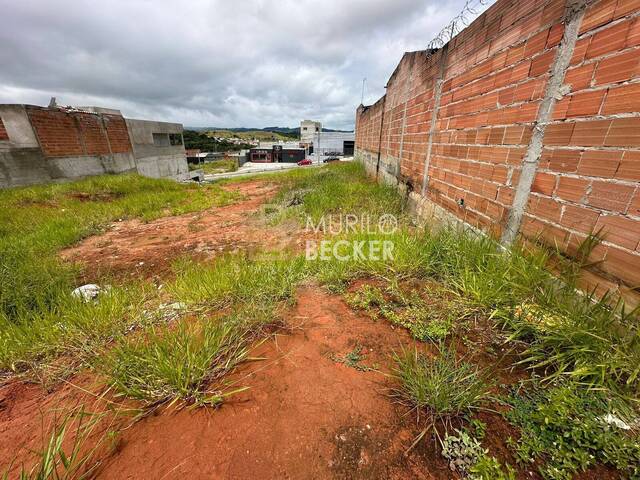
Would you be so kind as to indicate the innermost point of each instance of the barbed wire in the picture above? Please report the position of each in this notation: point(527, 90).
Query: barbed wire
point(457, 24)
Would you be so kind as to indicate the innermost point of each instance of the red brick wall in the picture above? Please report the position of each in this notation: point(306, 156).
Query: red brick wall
point(118, 134)
point(588, 175)
point(66, 134)
point(494, 76)
point(3, 132)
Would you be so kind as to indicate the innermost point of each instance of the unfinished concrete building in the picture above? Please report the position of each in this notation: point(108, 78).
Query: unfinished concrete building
point(41, 145)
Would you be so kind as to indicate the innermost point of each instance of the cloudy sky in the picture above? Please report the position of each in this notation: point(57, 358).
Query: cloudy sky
point(221, 63)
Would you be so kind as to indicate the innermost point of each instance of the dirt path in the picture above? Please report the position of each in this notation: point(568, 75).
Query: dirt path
point(305, 416)
point(137, 249)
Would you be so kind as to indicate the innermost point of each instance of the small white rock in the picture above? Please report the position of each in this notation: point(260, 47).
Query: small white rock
point(613, 420)
point(87, 292)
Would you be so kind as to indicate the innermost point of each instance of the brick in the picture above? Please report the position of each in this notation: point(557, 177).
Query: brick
point(514, 135)
point(496, 136)
point(555, 35)
point(610, 196)
point(579, 218)
point(586, 103)
point(531, 90)
point(551, 12)
point(624, 265)
point(117, 133)
point(599, 164)
point(580, 77)
point(620, 230)
point(542, 63)
point(598, 14)
point(515, 54)
point(572, 189)
point(57, 132)
point(563, 161)
point(629, 167)
point(580, 50)
point(558, 133)
point(554, 236)
point(633, 39)
point(505, 195)
point(626, 7)
point(590, 133)
point(516, 155)
point(561, 108)
point(624, 132)
point(622, 99)
point(609, 40)
point(544, 183)
point(544, 207)
point(536, 43)
point(4, 136)
point(92, 135)
point(634, 208)
point(618, 68)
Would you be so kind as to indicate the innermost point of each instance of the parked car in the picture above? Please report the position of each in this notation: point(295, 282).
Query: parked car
point(306, 161)
point(331, 159)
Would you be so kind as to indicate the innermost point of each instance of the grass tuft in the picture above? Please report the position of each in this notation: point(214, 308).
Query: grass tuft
point(186, 363)
point(442, 387)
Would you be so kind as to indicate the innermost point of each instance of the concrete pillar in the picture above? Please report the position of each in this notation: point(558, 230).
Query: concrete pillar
point(437, 95)
point(574, 14)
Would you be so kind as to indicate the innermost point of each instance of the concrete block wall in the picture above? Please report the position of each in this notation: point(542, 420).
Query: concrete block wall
point(527, 122)
point(40, 145)
point(154, 160)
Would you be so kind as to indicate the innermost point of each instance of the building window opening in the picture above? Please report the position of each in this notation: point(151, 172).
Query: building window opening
point(161, 140)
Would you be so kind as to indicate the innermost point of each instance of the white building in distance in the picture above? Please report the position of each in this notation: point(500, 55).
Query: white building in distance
point(308, 131)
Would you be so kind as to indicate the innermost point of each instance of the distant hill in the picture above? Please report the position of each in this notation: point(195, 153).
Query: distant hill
point(286, 131)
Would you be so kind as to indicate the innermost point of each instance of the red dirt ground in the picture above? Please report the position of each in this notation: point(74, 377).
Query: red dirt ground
point(305, 416)
point(137, 249)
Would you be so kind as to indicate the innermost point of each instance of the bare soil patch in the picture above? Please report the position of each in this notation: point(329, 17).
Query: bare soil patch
point(304, 416)
point(134, 249)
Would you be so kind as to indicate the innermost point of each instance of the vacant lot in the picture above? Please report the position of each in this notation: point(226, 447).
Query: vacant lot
point(228, 341)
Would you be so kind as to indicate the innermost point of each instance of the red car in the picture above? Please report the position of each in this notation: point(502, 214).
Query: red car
point(306, 161)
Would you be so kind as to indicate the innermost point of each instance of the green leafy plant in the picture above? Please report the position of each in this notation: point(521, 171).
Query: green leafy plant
point(462, 451)
point(489, 468)
point(366, 298)
point(565, 426)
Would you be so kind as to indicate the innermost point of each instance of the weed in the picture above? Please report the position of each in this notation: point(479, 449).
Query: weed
point(426, 320)
point(55, 462)
point(442, 387)
point(37, 316)
point(353, 359)
point(217, 166)
point(489, 468)
point(235, 279)
point(478, 428)
point(73, 326)
point(322, 191)
point(462, 451)
point(564, 425)
point(182, 364)
point(366, 298)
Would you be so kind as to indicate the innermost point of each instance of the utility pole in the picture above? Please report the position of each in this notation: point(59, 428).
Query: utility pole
point(362, 96)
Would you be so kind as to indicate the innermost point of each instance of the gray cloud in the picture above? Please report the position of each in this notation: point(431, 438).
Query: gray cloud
point(212, 63)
